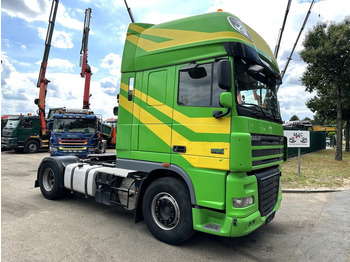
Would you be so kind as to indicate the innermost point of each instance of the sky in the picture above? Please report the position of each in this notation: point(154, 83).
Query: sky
point(23, 30)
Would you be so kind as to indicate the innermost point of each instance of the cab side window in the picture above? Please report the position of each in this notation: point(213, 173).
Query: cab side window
point(27, 123)
point(199, 86)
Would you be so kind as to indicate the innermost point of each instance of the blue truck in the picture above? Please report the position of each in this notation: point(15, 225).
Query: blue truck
point(76, 132)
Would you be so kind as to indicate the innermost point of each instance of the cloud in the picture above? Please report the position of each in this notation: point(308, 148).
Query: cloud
point(64, 18)
point(60, 39)
point(110, 85)
point(17, 90)
point(112, 62)
point(62, 64)
point(39, 10)
point(294, 72)
point(27, 10)
point(292, 100)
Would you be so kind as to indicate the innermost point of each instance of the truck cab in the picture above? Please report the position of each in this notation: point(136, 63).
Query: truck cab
point(75, 132)
point(199, 101)
point(22, 133)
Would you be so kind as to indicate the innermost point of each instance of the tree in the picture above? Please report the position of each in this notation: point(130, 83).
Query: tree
point(294, 118)
point(327, 55)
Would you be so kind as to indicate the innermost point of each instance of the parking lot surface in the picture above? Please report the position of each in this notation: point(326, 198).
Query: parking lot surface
point(308, 227)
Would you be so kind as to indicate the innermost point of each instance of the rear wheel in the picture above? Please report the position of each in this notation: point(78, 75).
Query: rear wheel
point(49, 178)
point(32, 147)
point(167, 210)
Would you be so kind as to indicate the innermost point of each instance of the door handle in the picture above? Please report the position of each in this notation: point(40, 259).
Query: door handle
point(179, 149)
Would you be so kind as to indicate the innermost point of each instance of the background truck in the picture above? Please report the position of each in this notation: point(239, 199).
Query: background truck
point(199, 132)
point(109, 130)
point(23, 133)
point(76, 132)
point(80, 132)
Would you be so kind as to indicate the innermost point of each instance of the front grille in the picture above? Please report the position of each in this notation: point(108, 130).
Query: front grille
point(263, 155)
point(268, 186)
point(267, 152)
point(72, 141)
point(266, 140)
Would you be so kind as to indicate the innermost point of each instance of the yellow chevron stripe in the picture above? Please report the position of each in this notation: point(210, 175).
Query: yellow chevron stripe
point(196, 124)
point(179, 37)
point(196, 150)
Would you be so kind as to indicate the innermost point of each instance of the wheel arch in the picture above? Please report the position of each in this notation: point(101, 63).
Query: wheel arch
point(29, 139)
point(60, 162)
point(173, 171)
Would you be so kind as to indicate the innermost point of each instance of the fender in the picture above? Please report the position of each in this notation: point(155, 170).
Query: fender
point(60, 162)
point(153, 170)
point(37, 139)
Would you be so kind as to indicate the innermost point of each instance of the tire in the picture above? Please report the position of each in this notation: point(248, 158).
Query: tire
point(167, 210)
point(32, 147)
point(49, 178)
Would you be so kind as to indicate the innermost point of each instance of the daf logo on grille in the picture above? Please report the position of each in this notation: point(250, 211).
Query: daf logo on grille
point(256, 138)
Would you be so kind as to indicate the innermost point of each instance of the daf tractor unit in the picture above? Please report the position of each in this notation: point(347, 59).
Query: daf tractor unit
point(199, 132)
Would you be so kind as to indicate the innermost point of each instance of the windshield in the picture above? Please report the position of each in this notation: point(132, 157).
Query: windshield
point(110, 124)
point(74, 125)
point(256, 92)
point(12, 123)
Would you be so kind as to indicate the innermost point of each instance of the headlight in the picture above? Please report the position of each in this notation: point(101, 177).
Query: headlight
point(53, 149)
point(243, 202)
point(239, 26)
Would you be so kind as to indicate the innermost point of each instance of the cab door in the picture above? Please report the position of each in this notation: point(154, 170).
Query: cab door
point(198, 138)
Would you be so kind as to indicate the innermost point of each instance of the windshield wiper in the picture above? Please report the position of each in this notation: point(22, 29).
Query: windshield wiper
point(256, 106)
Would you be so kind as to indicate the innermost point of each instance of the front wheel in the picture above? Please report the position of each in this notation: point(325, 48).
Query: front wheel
point(49, 178)
point(32, 147)
point(167, 210)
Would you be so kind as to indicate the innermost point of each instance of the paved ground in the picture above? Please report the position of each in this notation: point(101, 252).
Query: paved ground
point(308, 227)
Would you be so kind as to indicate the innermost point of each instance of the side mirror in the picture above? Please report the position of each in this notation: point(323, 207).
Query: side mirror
point(226, 99)
point(115, 110)
point(224, 74)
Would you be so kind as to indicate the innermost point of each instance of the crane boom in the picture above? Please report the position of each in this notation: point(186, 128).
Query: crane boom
point(282, 29)
point(129, 12)
point(85, 67)
point(296, 42)
point(42, 81)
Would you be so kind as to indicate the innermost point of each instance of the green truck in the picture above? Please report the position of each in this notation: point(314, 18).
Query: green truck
point(199, 132)
point(23, 133)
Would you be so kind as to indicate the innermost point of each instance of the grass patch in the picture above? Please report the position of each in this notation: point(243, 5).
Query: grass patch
point(317, 170)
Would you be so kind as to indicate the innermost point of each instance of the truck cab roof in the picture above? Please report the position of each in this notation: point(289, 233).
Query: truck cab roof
point(191, 38)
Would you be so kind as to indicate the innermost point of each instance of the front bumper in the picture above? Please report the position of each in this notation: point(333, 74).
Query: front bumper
point(265, 188)
point(217, 223)
point(9, 143)
point(71, 151)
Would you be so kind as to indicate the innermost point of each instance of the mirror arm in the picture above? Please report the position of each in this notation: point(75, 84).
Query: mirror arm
point(218, 114)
